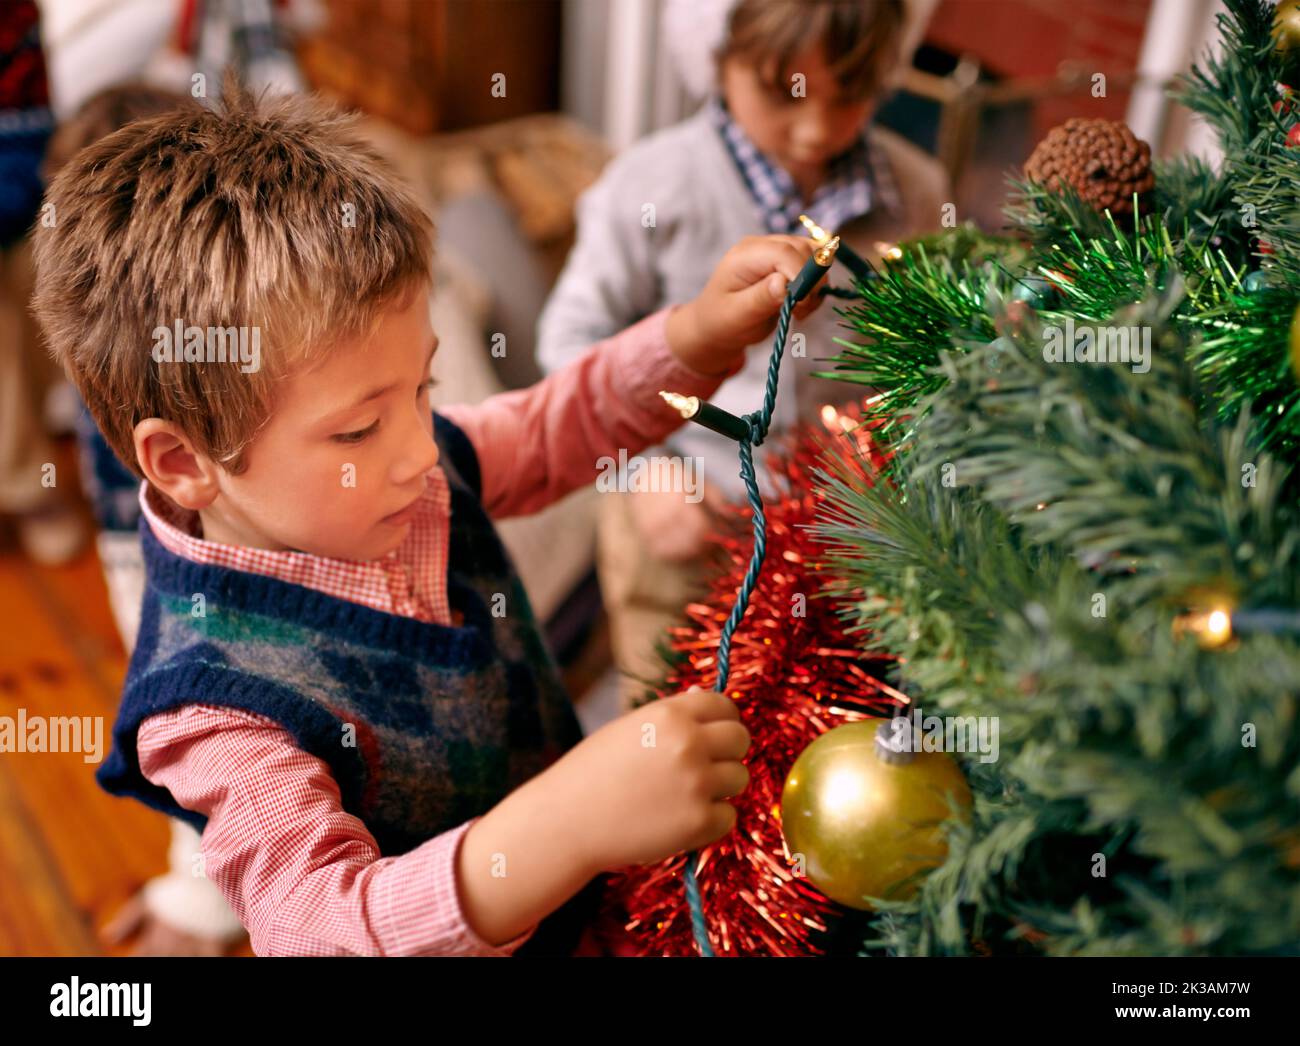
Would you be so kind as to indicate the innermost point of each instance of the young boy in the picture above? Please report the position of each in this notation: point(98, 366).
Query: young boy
point(338, 678)
point(787, 131)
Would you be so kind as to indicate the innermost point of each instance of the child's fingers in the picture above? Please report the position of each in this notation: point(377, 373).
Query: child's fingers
point(708, 706)
point(762, 268)
point(726, 739)
point(759, 301)
point(764, 299)
point(764, 254)
point(794, 254)
point(791, 263)
point(727, 778)
point(804, 245)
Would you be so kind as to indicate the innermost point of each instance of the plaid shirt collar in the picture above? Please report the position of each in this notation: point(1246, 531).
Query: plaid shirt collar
point(409, 582)
point(857, 180)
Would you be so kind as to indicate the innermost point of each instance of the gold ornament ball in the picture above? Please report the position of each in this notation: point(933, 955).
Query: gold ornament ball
point(866, 818)
point(1286, 33)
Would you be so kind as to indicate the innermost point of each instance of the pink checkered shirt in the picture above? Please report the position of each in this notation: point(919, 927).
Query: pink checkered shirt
point(303, 875)
point(410, 581)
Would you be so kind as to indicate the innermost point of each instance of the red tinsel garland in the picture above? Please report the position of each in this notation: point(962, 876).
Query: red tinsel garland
point(794, 677)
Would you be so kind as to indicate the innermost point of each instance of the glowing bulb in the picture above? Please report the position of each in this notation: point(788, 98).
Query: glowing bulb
point(1218, 626)
point(819, 234)
point(825, 254)
point(1211, 628)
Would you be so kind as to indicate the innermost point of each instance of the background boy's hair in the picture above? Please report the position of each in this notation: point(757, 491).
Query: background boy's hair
point(268, 213)
point(105, 112)
point(862, 40)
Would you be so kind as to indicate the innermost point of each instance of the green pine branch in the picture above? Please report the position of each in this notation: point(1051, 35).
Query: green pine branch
point(933, 296)
point(1119, 739)
point(1235, 90)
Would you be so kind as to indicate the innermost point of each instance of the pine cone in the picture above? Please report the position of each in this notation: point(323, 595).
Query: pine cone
point(1100, 159)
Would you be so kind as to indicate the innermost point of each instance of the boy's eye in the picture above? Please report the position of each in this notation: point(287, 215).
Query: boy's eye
point(355, 437)
point(782, 94)
point(369, 430)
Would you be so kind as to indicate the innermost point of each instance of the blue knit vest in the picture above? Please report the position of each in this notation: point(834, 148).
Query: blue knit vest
point(422, 725)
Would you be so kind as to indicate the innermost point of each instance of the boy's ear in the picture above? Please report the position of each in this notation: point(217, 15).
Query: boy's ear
point(171, 464)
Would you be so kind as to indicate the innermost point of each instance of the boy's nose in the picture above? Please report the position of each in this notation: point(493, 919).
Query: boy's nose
point(813, 129)
point(420, 454)
point(429, 455)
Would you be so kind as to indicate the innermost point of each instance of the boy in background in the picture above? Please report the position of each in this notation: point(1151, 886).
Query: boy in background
point(50, 529)
point(787, 131)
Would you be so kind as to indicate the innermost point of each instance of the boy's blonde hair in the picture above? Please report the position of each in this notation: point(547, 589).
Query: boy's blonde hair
point(269, 213)
point(862, 40)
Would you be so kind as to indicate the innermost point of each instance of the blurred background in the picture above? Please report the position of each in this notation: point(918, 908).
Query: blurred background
point(501, 173)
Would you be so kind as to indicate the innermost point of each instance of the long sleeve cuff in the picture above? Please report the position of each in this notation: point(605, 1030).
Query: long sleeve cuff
point(415, 923)
point(652, 367)
point(184, 898)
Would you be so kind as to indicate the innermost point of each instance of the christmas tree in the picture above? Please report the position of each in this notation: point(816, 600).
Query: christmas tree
point(1077, 520)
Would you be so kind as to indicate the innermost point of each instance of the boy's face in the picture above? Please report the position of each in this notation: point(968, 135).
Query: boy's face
point(799, 133)
point(345, 451)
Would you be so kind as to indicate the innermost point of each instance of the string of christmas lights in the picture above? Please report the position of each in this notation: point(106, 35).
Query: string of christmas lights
point(749, 431)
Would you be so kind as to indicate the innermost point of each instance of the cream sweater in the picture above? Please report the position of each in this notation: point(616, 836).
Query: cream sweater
point(652, 229)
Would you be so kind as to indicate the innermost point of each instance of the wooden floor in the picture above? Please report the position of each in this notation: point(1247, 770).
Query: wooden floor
point(70, 854)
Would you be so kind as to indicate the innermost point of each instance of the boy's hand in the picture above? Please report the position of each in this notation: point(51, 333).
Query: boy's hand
point(740, 303)
point(652, 783)
point(655, 781)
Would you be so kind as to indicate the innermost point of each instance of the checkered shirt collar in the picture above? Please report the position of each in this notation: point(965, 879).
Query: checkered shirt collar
point(858, 180)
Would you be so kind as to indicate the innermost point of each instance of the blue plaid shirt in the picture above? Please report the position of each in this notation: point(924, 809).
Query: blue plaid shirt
point(856, 181)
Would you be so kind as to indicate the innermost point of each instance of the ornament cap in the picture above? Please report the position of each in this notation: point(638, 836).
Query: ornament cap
point(894, 741)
